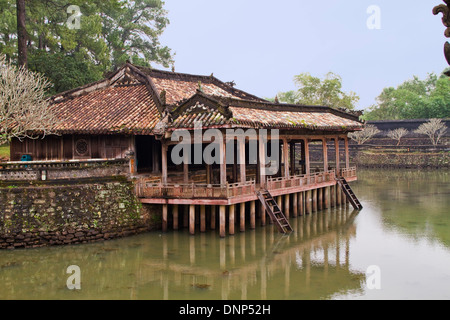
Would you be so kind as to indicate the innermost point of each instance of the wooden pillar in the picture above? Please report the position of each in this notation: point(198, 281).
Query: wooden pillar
point(326, 197)
point(243, 175)
point(202, 218)
point(347, 153)
point(185, 216)
point(343, 197)
point(222, 216)
point(295, 205)
point(242, 217)
point(223, 163)
point(285, 158)
point(314, 200)
point(262, 162)
point(208, 174)
point(164, 162)
point(164, 217)
point(235, 164)
point(231, 216)
point(333, 196)
point(186, 168)
point(336, 146)
point(308, 202)
point(262, 212)
point(287, 208)
point(307, 159)
point(175, 217)
point(192, 219)
point(252, 215)
point(301, 203)
point(292, 152)
point(325, 154)
point(320, 199)
point(155, 158)
point(132, 147)
point(338, 195)
point(213, 217)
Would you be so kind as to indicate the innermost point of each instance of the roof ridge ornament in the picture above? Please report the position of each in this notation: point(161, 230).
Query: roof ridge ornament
point(445, 10)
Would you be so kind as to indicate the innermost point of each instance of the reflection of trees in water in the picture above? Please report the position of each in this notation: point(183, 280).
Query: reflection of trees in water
point(311, 263)
point(414, 201)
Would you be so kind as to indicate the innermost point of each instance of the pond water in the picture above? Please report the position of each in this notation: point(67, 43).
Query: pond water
point(397, 247)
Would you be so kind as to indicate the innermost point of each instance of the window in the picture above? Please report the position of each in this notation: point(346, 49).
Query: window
point(81, 147)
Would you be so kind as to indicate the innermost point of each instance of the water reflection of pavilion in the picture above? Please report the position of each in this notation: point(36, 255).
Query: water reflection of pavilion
point(312, 263)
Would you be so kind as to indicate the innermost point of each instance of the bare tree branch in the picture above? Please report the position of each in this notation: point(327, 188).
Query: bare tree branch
point(434, 129)
point(397, 134)
point(24, 111)
point(365, 135)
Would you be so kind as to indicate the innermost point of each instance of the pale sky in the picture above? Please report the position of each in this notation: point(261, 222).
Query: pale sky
point(262, 44)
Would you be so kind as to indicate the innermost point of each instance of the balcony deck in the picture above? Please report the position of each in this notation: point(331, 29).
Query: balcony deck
point(154, 192)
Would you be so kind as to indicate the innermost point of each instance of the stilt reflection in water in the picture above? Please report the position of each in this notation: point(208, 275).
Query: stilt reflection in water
point(310, 263)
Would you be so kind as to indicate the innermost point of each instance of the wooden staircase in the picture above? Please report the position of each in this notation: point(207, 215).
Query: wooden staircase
point(274, 211)
point(349, 193)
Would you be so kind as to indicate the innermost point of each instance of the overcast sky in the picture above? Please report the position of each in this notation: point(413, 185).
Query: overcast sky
point(262, 44)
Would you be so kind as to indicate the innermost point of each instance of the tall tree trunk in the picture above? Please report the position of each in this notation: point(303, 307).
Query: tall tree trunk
point(22, 34)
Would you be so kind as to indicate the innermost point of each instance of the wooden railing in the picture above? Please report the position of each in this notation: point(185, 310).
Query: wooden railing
point(348, 172)
point(300, 180)
point(150, 189)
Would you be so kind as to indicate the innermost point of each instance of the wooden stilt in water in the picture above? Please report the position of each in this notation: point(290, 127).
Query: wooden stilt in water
point(308, 202)
point(314, 200)
point(326, 197)
point(164, 217)
point(301, 203)
point(175, 217)
point(203, 218)
point(185, 216)
point(262, 212)
point(231, 215)
point(222, 217)
point(252, 215)
point(242, 217)
point(192, 219)
point(320, 199)
point(295, 205)
point(286, 206)
point(213, 217)
point(332, 197)
point(338, 196)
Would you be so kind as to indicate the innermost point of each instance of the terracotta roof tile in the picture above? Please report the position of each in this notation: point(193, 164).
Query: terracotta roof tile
point(128, 102)
point(291, 119)
point(126, 109)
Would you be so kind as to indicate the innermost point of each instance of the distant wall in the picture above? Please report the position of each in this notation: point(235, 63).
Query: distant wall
point(409, 125)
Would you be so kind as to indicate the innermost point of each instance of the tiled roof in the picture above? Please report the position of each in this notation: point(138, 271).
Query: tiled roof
point(289, 119)
point(219, 112)
point(123, 108)
point(182, 86)
point(144, 101)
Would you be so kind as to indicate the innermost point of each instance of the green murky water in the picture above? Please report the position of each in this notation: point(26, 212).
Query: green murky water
point(404, 230)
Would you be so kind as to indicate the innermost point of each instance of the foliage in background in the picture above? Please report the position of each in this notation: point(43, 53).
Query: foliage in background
point(324, 92)
point(413, 99)
point(111, 32)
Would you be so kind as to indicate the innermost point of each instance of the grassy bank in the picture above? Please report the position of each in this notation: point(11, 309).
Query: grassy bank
point(4, 152)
